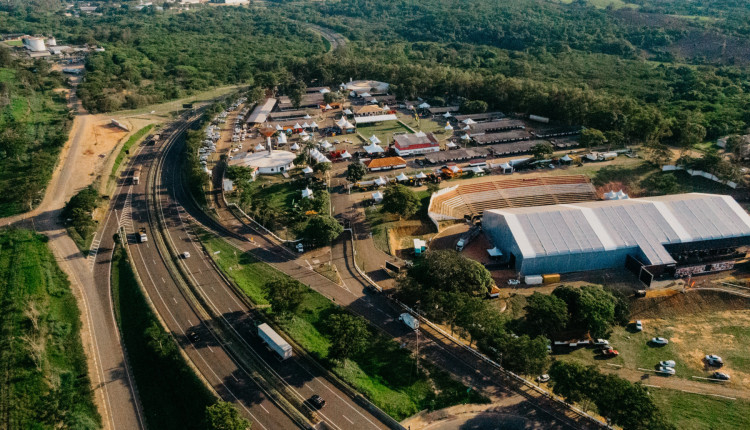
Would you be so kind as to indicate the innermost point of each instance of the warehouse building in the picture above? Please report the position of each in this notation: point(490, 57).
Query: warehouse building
point(669, 235)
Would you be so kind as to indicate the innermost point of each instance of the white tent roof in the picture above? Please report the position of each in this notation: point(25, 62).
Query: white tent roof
point(259, 147)
point(466, 128)
point(304, 133)
point(451, 145)
point(377, 196)
point(363, 95)
point(328, 107)
point(424, 105)
point(566, 157)
point(447, 115)
point(380, 181)
point(296, 125)
point(324, 90)
point(373, 101)
point(294, 147)
point(494, 252)
point(346, 155)
point(307, 170)
point(420, 175)
point(305, 137)
point(374, 139)
point(448, 127)
point(281, 138)
point(347, 111)
point(477, 169)
point(466, 137)
point(402, 177)
point(386, 107)
point(307, 116)
point(279, 128)
point(373, 149)
point(314, 125)
point(506, 166)
point(326, 145)
point(307, 193)
point(469, 121)
point(305, 125)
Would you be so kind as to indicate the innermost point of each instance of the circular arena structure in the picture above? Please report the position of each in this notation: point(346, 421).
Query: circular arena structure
point(367, 86)
point(469, 201)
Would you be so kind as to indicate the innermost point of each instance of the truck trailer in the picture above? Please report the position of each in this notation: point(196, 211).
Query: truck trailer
point(275, 342)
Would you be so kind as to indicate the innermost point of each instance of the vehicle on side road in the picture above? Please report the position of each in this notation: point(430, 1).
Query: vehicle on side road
point(409, 320)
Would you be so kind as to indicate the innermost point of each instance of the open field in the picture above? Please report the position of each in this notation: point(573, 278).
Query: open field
point(696, 324)
point(172, 395)
point(391, 235)
point(384, 372)
point(695, 412)
point(45, 382)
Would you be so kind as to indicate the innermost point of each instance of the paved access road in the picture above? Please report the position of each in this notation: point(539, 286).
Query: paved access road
point(301, 377)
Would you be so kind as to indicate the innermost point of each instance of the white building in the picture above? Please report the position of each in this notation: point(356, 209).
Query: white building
point(417, 143)
point(34, 44)
point(267, 162)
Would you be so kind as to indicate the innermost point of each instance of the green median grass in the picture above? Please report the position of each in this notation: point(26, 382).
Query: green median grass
point(134, 138)
point(45, 381)
point(384, 373)
point(172, 395)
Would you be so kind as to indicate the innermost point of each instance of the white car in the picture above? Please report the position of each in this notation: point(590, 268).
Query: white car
point(543, 378)
point(667, 363)
point(638, 325)
point(659, 341)
point(665, 370)
point(601, 342)
point(185, 254)
point(714, 360)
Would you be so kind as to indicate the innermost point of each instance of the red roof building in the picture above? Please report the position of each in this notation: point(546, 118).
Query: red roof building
point(417, 143)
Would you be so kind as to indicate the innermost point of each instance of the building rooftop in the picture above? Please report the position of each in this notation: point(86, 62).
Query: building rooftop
point(379, 163)
point(263, 159)
point(645, 223)
point(419, 140)
point(261, 111)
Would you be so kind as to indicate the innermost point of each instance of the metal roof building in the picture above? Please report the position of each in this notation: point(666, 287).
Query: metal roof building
point(599, 235)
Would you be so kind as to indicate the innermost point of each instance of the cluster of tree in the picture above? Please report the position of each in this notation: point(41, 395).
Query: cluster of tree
point(450, 288)
point(400, 200)
point(79, 210)
point(34, 123)
point(225, 416)
point(626, 404)
point(589, 309)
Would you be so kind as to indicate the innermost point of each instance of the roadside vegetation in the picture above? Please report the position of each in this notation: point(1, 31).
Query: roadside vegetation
point(172, 395)
point(34, 124)
point(370, 362)
point(45, 382)
point(78, 215)
point(137, 136)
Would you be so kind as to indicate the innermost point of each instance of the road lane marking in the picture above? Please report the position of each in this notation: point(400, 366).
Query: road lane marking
point(175, 300)
point(162, 280)
point(264, 408)
point(350, 421)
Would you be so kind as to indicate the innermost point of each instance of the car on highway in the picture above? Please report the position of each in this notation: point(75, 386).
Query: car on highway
point(661, 341)
point(185, 254)
point(543, 378)
point(638, 325)
point(714, 360)
point(193, 336)
point(665, 370)
point(721, 376)
point(667, 363)
point(317, 401)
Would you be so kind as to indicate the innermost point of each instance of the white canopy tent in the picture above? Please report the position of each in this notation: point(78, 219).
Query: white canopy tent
point(307, 193)
point(307, 170)
point(469, 121)
point(347, 111)
point(281, 138)
point(373, 149)
point(377, 196)
point(314, 125)
point(296, 126)
point(450, 145)
point(279, 128)
point(325, 145)
point(424, 105)
point(259, 147)
point(294, 147)
point(402, 177)
point(346, 155)
point(380, 181)
point(374, 140)
point(305, 125)
point(307, 116)
point(328, 107)
point(447, 115)
point(421, 175)
point(448, 127)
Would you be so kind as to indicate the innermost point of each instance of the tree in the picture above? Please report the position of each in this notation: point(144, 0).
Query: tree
point(614, 138)
point(322, 230)
point(401, 200)
point(590, 308)
point(542, 150)
point(224, 416)
point(523, 354)
point(473, 106)
point(349, 335)
point(661, 184)
point(546, 314)
point(159, 341)
point(658, 153)
point(355, 172)
point(322, 167)
point(285, 295)
point(592, 137)
point(433, 188)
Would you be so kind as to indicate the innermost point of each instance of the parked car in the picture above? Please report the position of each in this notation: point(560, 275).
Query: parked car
point(601, 342)
point(721, 376)
point(714, 360)
point(513, 282)
point(317, 401)
point(659, 341)
point(638, 325)
point(543, 378)
point(640, 293)
point(665, 370)
point(610, 352)
point(667, 363)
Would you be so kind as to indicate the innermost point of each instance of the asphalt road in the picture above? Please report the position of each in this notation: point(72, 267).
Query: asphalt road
point(228, 378)
point(302, 378)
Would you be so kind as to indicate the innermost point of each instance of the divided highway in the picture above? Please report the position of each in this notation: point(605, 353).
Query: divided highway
point(228, 354)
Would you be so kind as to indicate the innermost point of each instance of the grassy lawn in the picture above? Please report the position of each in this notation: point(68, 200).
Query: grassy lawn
point(173, 397)
point(695, 412)
point(382, 222)
point(45, 380)
point(384, 373)
point(383, 130)
point(135, 137)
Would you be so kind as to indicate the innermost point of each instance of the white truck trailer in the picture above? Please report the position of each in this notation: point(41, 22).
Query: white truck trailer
point(409, 320)
point(274, 341)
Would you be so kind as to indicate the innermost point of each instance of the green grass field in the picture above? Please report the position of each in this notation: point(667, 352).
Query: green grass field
point(383, 130)
point(385, 373)
point(173, 397)
point(696, 412)
point(45, 381)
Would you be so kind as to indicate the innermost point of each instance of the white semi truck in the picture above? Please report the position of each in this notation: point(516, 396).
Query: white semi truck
point(274, 341)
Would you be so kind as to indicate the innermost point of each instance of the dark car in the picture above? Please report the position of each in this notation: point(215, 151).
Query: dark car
point(317, 401)
point(721, 376)
point(193, 336)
